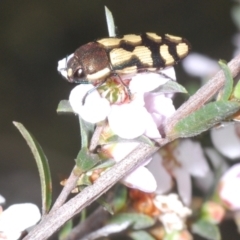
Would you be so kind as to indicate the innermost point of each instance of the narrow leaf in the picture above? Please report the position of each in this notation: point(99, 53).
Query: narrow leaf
point(138, 221)
point(86, 132)
point(226, 92)
point(104, 164)
point(101, 200)
point(64, 107)
point(120, 198)
point(107, 230)
point(207, 230)
point(140, 235)
point(65, 230)
point(86, 160)
point(204, 118)
point(43, 167)
point(110, 23)
point(170, 87)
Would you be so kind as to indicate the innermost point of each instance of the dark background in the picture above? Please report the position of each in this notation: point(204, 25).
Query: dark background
point(34, 35)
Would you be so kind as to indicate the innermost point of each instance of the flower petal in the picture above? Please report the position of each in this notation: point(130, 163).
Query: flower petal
point(121, 150)
point(200, 65)
point(229, 188)
point(184, 184)
point(227, 141)
point(142, 179)
point(190, 155)
point(164, 180)
point(19, 217)
point(146, 82)
point(95, 108)
point(128, 120)
point(151, 128)
point(159, 106)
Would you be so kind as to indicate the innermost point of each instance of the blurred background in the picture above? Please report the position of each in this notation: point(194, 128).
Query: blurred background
point(34, 35)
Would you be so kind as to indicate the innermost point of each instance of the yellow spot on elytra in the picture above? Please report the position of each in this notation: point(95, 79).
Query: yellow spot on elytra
point(154, 37)
point(164, 52)
point(110, 42)
point(182, 49)
point(144, 55)
point(173, 38)
point(132, 39)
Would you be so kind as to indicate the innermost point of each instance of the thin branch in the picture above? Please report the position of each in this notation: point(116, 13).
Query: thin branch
point(95, 137)
point(92, 223)
point(68, 187)
point(57, 218)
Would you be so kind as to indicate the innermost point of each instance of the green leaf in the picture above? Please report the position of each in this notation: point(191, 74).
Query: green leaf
point(108, 207)
point(65, 230)
point(204, 118)
point(120, 198)
point(43, 167)
point(170, 87)
point(64, 107)
point(226, 92)
point(137, 220)
point(86, 132)
point(86, 160)
point(141, 235)
point(206, 229)
point(236, 91)
point(104, 164)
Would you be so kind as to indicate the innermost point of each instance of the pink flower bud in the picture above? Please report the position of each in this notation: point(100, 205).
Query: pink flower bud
point(213, 212)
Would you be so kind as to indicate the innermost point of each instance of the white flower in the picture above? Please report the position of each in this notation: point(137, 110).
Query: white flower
point(226, 140)
point(219, 166)
point(15, 219)
point(173, 212)
point(200, 65)
point(140, 178)
point(229, 186)
point(95, 108)
point(144, 114)
point(181, 162)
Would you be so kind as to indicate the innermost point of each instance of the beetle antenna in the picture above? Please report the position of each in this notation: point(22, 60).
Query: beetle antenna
point(166, 76)
point(122, 82)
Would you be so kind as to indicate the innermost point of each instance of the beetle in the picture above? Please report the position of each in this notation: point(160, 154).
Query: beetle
point(124, 57)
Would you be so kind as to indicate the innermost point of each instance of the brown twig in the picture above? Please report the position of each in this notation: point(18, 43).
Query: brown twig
point(68, 187)
point(92, 223)
point(57, 218)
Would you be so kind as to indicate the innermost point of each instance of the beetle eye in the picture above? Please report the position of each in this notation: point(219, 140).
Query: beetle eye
point(79, 73)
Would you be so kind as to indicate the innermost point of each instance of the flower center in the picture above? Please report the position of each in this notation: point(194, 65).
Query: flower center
point(114, 91)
